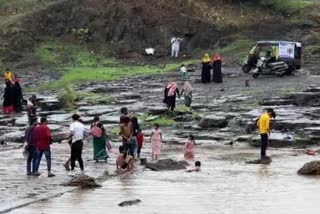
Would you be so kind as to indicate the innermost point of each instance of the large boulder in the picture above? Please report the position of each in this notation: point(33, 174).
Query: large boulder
point(213, 121)
point(83, 181)
point(311, 168)
point(156, 110)
point(167, 164)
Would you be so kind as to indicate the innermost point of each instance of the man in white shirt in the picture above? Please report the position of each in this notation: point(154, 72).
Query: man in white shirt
point(175, 46)
point(184, 74)
point(77, 130)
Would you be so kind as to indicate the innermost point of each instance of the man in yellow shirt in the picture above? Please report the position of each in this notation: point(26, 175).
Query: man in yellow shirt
point(264, 129)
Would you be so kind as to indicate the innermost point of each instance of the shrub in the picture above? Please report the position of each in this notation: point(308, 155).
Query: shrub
point(67, 97)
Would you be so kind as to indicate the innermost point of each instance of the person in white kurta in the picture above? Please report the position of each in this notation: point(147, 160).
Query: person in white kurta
point(175, 46)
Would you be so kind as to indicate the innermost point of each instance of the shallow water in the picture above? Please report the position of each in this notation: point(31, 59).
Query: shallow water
point(225, 185)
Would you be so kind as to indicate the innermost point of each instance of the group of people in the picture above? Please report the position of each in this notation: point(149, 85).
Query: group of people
point(214, 64)
point(38, 140)
point(171, 92)
point(12, 97)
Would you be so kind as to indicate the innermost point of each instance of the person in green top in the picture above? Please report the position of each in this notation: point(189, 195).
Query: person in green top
point(99, 143)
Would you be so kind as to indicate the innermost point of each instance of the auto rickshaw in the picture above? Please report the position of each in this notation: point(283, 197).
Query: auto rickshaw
point(275, 51)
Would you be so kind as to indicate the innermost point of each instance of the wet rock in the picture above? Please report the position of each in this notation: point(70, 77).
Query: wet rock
point(15, 136)
point(167, 164)
point(59, 136)
point(83, 181)
point(128, 96)
point(100, 111)
point(50, 105)
point(129, 203)
point(114, 119)
point(276, 140)
point(266, 160)
point(311, 168)
point(276, 102)
point(47, 113)
point(156, 110)
point(213, 121)
point(305, 98)
point(185, 118)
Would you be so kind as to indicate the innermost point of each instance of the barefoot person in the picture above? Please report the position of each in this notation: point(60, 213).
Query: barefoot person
point(264, 129)
point(156, 139)
point(43, 140)
point(189, 148)
point(77, 130)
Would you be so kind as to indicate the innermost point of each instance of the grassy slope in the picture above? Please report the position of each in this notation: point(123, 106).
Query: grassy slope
point(80, 64)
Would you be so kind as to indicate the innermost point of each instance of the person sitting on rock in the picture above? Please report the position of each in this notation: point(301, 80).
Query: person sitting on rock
point(124, 160)
point(196, 168)
point(263, 125)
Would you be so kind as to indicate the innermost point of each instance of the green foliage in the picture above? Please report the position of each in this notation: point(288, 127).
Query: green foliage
point(163, 121)
point(81, 34)
point(60, 54)
point(67, 97)
point(13, 7)
point(94, 98)
point(241, 45)
point(287, 6)
point(79, 64)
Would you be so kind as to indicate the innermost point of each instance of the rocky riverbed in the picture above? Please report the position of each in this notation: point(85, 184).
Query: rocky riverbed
point(223, 118)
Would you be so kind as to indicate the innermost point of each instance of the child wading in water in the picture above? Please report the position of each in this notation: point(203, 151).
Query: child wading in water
point(189, 148)
point(140, 139)
point(196, 168)
point(155, 139)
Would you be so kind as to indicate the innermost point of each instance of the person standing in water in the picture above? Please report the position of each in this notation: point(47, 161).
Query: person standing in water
point(43, 140)
point(77, 130)
point(156, 139)
point(126, 132)
point(189, 148)
point(206, 68)
point(263, 125)
point(31, 148)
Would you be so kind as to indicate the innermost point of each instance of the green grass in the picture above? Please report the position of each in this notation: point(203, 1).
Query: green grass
point(94, 98)
point(67, 97)
point(287, 6)
point(13, 7)
point(79, 64)
point(241, 45)
point(163, 121)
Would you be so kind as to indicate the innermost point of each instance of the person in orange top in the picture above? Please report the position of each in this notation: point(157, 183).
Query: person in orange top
point(264, 129)
point(216, 65)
